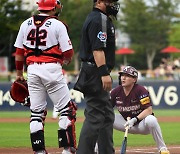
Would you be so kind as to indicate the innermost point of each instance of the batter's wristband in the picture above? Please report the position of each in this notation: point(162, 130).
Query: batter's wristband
point(19, 65)
point(103, 70)
point(137, 119)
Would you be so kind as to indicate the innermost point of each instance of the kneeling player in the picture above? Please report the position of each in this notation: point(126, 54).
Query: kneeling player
point(133, 100)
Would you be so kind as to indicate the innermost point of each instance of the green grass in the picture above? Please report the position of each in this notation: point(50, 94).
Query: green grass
point(80, 113)
point(165, 112)
point(17, 134)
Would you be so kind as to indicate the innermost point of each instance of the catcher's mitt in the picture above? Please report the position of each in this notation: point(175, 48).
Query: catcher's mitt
point(19, 92)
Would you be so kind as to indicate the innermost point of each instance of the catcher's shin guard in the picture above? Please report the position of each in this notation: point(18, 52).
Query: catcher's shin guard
point(67, 138)
point(66, 133)
point(37, 141)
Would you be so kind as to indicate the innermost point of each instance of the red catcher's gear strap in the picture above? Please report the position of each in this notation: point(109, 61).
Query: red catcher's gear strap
point(68, 54)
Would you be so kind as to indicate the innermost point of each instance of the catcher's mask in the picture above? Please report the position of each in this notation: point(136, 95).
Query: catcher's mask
point(47, 5)
point(130, 71)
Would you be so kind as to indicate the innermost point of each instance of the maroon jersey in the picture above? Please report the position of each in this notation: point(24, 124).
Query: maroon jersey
point(133, 104)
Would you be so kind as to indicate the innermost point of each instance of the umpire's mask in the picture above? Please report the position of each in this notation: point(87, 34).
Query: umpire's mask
point(112, 9)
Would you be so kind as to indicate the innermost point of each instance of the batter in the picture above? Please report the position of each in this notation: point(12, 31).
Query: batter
point(133, 100)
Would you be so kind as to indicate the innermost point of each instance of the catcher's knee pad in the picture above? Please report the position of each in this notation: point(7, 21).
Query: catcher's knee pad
point(37, 140)
point(69, 110)
point(37, 120)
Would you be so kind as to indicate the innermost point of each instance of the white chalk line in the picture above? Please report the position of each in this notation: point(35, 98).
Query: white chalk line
point(136, 150)
point(143, 150)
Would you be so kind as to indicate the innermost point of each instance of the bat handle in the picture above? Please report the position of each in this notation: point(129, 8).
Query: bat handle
point(127, 128)
point(128, 118)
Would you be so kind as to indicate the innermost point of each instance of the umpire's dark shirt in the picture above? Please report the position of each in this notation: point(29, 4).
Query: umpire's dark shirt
point(98, 32)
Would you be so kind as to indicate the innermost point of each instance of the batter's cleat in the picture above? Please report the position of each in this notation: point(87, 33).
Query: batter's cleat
point(41, 152)
point(164, 151)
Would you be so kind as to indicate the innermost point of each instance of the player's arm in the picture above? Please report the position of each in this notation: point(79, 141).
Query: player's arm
point(67, 56)
point(147, 106)
point(19, 62)
point(140, 117)
point(99, 58)
point(145, 113)
point(65, 43)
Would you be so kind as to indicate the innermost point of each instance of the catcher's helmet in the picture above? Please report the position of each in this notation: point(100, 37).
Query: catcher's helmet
point(48, 4)
point(129, 70)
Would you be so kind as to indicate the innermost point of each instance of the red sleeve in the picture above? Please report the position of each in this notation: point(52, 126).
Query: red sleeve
point(20, 51)
point(68, 54)
point(19, 63)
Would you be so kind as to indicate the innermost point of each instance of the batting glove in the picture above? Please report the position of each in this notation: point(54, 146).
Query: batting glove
point(131, 122)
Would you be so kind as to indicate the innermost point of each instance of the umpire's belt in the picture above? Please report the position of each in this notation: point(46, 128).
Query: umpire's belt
point(87, 63)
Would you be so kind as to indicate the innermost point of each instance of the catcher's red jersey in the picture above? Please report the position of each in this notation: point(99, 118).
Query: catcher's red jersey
point(52, 38)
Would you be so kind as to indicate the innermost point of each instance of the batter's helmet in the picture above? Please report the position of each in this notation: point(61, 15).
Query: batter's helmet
point(107, 0)
point(48, 4)
point(130, 71)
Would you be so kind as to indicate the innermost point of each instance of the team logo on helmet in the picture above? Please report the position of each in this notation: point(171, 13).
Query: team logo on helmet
point(130, 70)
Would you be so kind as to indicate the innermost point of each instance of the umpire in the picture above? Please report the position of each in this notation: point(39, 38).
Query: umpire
point(97, 53)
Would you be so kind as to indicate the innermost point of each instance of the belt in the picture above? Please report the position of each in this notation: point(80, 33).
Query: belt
point(31, 63)
point(89, 63)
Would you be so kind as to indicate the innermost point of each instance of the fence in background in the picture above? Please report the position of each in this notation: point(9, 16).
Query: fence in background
point(164, 95)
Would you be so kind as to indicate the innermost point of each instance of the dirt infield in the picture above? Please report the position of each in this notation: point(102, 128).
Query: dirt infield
point(174, 149)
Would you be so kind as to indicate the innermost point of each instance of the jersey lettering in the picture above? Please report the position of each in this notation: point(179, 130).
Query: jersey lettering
point(48, 23)
point(29, 22)
point(42, 35)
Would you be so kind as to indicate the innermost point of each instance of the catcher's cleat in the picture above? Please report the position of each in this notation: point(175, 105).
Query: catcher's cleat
point(41, 152)
point(70, 150)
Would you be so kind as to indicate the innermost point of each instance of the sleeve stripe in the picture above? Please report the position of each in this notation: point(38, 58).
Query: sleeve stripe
point(104, 23)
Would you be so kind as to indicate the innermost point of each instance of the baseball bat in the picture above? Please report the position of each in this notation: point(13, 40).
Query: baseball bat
point(124, 142)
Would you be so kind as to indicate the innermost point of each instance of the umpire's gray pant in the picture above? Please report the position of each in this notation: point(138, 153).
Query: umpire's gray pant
point(98, 125)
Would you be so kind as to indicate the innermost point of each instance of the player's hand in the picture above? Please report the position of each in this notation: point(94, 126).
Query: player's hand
point(66, 61)
point(130, 123)
point(19, 75)
point(107, 82)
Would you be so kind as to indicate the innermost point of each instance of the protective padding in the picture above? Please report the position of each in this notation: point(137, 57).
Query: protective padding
point(37, 140)
point(46, 5)
point(67, 138)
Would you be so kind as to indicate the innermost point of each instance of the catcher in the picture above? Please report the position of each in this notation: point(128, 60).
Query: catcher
point(45, 43)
